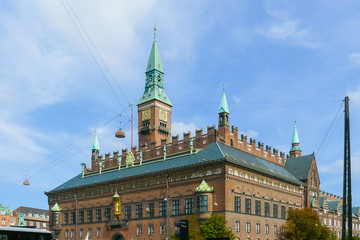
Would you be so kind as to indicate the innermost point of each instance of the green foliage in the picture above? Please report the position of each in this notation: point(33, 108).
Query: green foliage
point(194, 230)
point(304, 224)
point(215, 227)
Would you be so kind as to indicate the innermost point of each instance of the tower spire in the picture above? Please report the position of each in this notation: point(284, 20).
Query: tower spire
point(295, 150)
point(96, 145)
point(223, 104)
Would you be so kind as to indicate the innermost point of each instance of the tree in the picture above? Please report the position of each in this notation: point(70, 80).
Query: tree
point(304, 224)
point(215, 227)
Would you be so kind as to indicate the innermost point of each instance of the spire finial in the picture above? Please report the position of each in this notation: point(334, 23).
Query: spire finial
point(154, 30)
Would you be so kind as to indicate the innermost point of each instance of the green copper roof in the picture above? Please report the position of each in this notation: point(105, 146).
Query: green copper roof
point(321, 201)
point(56, 208)
point(223, 104)
point(333, 205)
point(154, 61)
point(299, 166)
point(204, 187)
point(154, 93)
point(213, 152)
point(96, 145)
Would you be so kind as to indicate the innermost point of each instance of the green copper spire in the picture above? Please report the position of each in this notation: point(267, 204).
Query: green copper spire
point(154, 86)
point(96, 145)
point(154, 61)
point(223, 104)
point(295, 140)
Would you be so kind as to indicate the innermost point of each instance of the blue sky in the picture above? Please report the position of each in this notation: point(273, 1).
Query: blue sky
point(279, 61)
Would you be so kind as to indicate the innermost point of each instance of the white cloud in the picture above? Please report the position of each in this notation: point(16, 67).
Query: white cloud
point(178, 128)
point(282, 28)
point(355, 59)
point(355, 95)
point(336, 167)
point(236, 99)
point(251, 133)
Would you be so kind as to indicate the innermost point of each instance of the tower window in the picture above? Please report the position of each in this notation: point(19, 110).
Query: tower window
point(227, 118)
point(159, 78)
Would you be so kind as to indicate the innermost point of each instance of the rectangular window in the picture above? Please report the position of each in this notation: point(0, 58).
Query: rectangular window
point(176, 207)
point(128, 212)
point(258, 207)
point(98, 232)
point(81, 232)
point(266, 228)
point(162, 209)
point(72, 233)
point(107, 214)
point(237, 226)
point(138, 211)
point(89, 216)
point(66, 219)
point(257, 228)
point(189, 206)
point(81, 216)
point(72, 218)
point(248, 229)
point(90, 232)
point(247, 205)
point(237, 204)
point(150, 210)
point(66, 234)
point(202, 203)
point(275, 229)
point(55, 219)
point(267, 209)
point(275, 211)
point(139, 230)
point(162, 229)
point(98, 215)
point(283, 211)
point(151, 229)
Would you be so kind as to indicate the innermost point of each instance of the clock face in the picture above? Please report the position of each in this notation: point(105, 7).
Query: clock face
point(163, 115)
point(146, 114)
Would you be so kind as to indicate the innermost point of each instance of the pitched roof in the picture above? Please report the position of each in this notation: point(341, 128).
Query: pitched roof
point(204, 187)
point(223, 104)
point(213, 152)
point(299, 166)
point(28, 210)
point(321, 201)
point(333, 205)
point(356, 211)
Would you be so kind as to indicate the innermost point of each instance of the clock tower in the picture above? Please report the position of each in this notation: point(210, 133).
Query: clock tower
point(154, 108)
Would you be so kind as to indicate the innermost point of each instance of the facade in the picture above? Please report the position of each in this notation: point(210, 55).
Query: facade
point(38, 218)
point(8, 217)
point(139, 194)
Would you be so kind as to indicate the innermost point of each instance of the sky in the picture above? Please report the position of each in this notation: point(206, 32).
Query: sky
point(68, 68)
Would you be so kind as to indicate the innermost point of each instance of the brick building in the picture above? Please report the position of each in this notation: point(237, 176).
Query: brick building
point(38, 218)
point(167, 179)
point(8, 217)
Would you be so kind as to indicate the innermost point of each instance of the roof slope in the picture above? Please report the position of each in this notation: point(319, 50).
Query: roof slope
point(321, 201)
point(333, 205)
point(28, 210)
point(299, 166)
point(214, 151)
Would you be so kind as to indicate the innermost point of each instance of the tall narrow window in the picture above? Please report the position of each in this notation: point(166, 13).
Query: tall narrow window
point(73, 218)
point(162, 209)
point(189, 206)
point(81, 216)
point(258, 207)
point(107, 214)
point(237, 204)
point(202, 203)
point(81, 232)
point(98, 215)
point(267, 209)
point(90, 232)
point(151, 229)
point(266, 228)
point(162, 229)
point(237, 226)
point(248, 229)
point(98, 232)
point(55, 217)
point(275, 229)
point(176, 207)
point(139, 230)
point(257, 228)
point(247, 205)
point(150, 209)
point(283, 211)
point(72, 233)
point(66, 219)
point(128, 212)
point(275, 211)
point(89, 216)
point(139, 211)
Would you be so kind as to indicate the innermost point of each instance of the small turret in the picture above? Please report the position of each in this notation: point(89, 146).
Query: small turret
point(224, 112)
point(295, 150)
point(95, 148)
